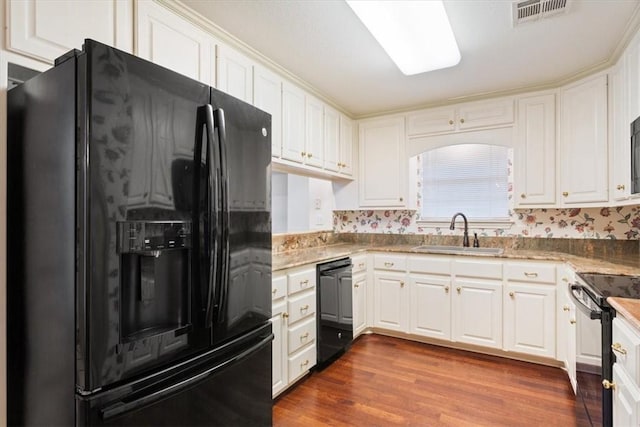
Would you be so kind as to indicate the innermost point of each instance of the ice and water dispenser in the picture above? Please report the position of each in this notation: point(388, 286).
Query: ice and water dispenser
point(155, 261)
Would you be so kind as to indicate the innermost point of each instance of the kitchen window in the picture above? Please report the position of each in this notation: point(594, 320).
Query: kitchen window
point(468, 178)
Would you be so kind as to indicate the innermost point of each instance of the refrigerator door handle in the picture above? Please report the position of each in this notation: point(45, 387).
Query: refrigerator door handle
point(220, 125)
point(205, 120)
point(126, 406)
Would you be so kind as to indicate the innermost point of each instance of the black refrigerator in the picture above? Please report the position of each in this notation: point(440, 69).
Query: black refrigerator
point(139, 248)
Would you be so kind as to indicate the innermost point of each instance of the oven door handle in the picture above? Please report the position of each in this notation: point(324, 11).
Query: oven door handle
point(591, 312)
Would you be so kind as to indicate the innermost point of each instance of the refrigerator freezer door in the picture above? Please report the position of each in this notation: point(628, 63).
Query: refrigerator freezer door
point(232, 389)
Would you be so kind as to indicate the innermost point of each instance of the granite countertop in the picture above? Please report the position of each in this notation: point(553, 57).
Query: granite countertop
point(620, 264)
point(627, 307)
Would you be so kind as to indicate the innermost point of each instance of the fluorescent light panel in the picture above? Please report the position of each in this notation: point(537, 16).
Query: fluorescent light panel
point(415, 34)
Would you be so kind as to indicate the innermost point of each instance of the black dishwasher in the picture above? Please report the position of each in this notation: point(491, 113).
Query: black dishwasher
point(335, 312)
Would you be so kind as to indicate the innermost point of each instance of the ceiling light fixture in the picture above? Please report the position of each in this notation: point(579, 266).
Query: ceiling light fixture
point(415, 34)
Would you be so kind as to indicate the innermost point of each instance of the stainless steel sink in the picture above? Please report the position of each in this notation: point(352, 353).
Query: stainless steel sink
point(459, 250)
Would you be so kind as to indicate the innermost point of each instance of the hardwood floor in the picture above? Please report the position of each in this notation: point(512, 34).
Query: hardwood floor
point(385, 381)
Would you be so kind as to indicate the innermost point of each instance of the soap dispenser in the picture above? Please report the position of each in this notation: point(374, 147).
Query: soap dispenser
point(476, 243)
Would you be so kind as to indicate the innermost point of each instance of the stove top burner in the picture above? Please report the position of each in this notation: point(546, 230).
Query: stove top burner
point(611, 285)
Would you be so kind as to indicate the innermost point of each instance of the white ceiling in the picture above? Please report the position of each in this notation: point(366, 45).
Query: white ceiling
point(323, 43)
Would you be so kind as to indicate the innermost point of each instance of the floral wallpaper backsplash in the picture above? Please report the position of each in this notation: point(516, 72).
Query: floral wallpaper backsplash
point(586, 223)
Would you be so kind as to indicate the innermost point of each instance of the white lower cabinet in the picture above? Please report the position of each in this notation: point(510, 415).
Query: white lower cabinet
point(279, 348)
point(430, 306)
point(359, 303)
point(626, 373)
point(294, 325)
point(529, 308)
point(391, 301)
point(626, 398)
point(566, 325)
point(477, 308)
point(529, 314)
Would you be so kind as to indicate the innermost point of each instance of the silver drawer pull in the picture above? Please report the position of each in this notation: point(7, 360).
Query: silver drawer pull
point(304, 307)
point(388, 264)
point(274, 291)
point(361, 265)
point(304, 336)
point(304, 283)
point(305, 363)
point(531, 274)
point(616, 346)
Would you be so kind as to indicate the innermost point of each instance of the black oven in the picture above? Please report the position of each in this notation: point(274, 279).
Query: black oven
point(590, 293)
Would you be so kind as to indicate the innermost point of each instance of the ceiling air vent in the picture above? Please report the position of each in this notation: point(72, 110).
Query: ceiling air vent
point(533, 10)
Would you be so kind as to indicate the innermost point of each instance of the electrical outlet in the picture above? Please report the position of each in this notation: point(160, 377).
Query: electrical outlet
point(318, 204)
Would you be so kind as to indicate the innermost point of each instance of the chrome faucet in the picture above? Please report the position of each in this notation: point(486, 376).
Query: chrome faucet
point(465, 238)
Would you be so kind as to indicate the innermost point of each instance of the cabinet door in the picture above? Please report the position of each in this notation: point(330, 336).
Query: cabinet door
point(293, 132)
point(477, 312)
point(391, 302)
point(331, 139)
point(235, 73)
point(626, 398)
point(529, 319)
point(620, 133)
point(346, 146)
point(436, 120)
point(314, 125)
point(535, 152)
point(267, 95)
point(383, 167)
point(46, 29)
point(583, 142)
point(279, 348)
point(431, 306)
point(632, 65)
point(173, 42)
point(484, 114)
point(359, 303)
point(566, 330)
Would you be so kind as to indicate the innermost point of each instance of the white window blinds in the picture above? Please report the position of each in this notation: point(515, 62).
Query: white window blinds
point(467, 178)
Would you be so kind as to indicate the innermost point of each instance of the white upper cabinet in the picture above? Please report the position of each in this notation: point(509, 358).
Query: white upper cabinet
point(267, 95)
point(619, 133)
point(46, 29)
point(314, 142)
point(169, 40)
point(632, 65)
point(345, 164)
point(583, 141)
point(235, 73)
point(383, 166)
point(461, 117)
point(293, 131)
point(535, 180)
point(331, 139)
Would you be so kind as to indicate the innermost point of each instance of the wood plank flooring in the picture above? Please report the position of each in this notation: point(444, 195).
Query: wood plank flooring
point(384, 381)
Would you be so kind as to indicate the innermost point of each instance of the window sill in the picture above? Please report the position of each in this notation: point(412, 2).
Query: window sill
point(473, 224)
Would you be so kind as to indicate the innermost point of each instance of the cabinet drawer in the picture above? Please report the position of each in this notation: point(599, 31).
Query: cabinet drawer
point(302, 280)
point(359, 264)
point(390, 262)
point(478, 268)
point(430, 265)
point(530, 272)
point(301, 307)
point(278, 287)
point(302, 334)
point(626, 345)
point(302, 362)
